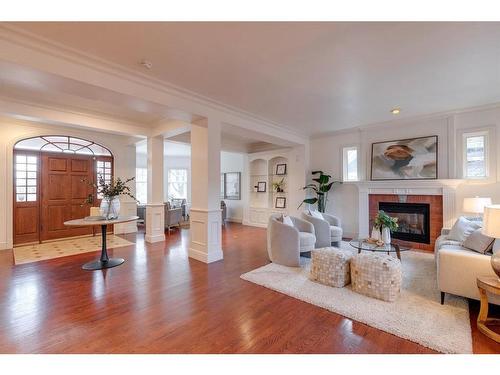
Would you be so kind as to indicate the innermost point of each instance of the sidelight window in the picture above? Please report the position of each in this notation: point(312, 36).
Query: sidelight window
point(104, 171)
point(26, 177)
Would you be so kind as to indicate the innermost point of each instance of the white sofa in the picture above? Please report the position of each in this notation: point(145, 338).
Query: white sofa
point(285, 243)
point(328, 230)
point(459, 267)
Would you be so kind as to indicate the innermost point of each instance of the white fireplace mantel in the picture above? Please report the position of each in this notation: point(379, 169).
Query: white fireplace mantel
point(445, 188)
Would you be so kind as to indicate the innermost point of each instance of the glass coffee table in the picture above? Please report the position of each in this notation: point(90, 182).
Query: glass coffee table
point(362, 244)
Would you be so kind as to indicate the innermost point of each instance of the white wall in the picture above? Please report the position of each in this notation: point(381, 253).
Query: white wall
point(12, 131)
point(235, 162)
point(326, 155)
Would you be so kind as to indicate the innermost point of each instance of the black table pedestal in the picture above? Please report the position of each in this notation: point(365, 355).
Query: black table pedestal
point(104, 261)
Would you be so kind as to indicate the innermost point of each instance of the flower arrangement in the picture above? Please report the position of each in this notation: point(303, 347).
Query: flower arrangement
point(382, 220)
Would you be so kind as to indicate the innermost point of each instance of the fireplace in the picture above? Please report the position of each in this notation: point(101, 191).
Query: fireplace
point(413, 220)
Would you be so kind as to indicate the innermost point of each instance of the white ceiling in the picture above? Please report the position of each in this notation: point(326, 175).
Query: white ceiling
point(316, 77)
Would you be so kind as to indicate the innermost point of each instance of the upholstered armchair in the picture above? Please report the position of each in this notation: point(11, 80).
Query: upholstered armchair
point(328, 228)
point(173, 216)
point(285, 243)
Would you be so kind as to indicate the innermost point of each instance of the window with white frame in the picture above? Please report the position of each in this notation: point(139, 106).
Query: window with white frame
point(350, 163)
point(475, 155)
point(103, 172)
point(141, 185)
point(177, 183)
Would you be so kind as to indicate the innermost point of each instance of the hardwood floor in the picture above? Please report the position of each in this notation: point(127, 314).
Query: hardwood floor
point(160, 301)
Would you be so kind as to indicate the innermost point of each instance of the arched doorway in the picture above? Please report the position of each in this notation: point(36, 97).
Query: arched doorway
point(52, 184)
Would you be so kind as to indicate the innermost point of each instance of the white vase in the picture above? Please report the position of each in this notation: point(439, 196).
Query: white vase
point(110, 208)
point(375, 234)
point(386, 235)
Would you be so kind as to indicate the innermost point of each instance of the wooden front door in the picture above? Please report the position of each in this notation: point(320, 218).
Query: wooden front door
point(64, 194)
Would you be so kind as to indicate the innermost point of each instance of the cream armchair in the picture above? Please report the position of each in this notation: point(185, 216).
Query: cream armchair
point(328, 229)
point(285, 243)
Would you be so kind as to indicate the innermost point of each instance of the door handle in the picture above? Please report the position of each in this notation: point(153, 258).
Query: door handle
point(90, 198)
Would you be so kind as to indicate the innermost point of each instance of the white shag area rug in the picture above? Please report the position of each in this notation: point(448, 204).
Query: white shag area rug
point(416, 315)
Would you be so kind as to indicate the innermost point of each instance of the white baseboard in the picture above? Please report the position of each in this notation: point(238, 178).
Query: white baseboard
point(152, 239)
point(234, 220)
point(204, 257)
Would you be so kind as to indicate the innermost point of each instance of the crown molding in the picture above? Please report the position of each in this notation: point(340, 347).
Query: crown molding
point(29, 40)
point(411, 119)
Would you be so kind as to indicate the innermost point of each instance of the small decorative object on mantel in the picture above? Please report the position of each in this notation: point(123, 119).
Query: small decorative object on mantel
point(281, 169)
point(261, 187)
point(110, 192)
point(405, 159)
point(387, 224)
point(279, 186)
point(491, 227)
point(321, 190)
point(280, 202)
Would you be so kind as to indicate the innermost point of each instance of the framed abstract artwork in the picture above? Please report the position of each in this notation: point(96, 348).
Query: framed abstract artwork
point(232, 182)
point(405, 159)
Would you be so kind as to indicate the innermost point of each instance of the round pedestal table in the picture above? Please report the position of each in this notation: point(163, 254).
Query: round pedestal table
point(104, 261)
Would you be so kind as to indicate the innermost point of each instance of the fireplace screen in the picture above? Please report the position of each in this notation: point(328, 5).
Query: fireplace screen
point(413, 220)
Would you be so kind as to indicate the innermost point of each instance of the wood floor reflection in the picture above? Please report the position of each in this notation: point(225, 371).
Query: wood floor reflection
point(160, 301)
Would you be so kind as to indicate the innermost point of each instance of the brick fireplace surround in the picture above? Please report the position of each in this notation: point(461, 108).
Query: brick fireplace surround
point(436, 215)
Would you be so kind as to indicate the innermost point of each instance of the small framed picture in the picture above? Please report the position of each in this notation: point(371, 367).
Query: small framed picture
point(261, 187)
point(280, 202)
point(280, 169)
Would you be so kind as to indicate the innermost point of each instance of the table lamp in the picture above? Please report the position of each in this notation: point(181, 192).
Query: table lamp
point(476, 205)
point(491, 227)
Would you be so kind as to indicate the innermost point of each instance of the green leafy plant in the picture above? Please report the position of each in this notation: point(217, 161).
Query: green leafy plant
point(382, 220)
point(321, 189)
point(279, 186)
point(112, 189)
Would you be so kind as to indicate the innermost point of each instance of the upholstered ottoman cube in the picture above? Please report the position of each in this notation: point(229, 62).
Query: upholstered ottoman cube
point(330, 266)
point(376, 275)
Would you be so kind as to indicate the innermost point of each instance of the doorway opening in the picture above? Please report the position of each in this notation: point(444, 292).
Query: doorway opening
point(54, 178)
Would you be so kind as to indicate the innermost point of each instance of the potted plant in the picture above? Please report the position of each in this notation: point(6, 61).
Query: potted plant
point(386, 224)
point(279, 186)
point(110, 203)
point(321, 190)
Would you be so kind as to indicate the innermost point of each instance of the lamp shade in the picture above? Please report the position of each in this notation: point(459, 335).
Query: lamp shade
point(491, 221)
point(476, 205)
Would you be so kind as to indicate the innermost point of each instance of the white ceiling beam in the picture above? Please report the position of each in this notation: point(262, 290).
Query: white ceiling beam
point(48, 115)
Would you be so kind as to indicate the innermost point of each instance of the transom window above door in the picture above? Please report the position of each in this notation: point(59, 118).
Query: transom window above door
point(59, 143)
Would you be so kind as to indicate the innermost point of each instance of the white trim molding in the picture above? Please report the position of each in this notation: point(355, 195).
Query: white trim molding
point(205, 242)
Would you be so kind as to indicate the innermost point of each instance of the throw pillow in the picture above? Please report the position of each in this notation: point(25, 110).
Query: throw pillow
point(496, 246)
point(462, 229)
point(316, 214)
point(478, 242)
point(287, 221)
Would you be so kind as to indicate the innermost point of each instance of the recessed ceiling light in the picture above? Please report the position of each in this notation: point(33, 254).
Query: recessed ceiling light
point(147, 64)
point(395, 111)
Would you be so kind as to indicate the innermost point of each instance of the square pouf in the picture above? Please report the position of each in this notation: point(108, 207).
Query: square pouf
point(330, 266)
point(376, 275)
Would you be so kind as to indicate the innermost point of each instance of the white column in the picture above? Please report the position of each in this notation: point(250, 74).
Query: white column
point(205, 213)
point(155, 213)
